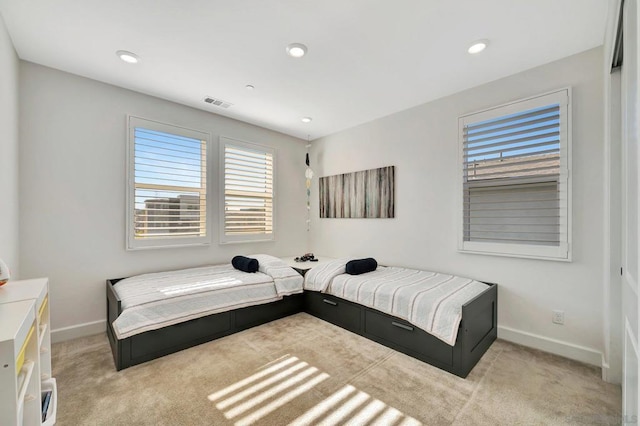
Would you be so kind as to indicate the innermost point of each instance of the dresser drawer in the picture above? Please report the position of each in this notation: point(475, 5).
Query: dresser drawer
point(334, 310)
point(405, 335)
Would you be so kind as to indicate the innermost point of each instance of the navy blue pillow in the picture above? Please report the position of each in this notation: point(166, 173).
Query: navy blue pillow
point(245, 264)
point(361, 266)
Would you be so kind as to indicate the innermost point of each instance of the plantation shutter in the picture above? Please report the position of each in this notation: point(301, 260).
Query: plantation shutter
point(169, 188)
point(514, 177)
point(248, 192)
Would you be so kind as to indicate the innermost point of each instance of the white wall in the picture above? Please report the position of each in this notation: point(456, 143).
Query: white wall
point(8, 151)
point(72, 185)
point(422, 143)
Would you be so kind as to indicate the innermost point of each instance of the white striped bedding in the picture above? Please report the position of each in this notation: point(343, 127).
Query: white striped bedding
point(286, 279)
point(153, 301)
point(429, 300)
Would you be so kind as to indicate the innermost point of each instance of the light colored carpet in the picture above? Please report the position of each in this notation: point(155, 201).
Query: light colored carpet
point(301, 370)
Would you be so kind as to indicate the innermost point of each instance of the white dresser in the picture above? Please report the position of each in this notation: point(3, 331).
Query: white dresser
point(25, 353)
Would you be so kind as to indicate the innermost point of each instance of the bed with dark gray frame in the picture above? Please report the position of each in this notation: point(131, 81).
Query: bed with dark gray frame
point(477, 330)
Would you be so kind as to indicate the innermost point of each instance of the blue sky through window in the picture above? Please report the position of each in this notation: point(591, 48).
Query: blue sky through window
point(530, 132)
point(166, 159)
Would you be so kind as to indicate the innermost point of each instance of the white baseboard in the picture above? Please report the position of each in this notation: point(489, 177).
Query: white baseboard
point(608, 375)
point(558, 347)
point(75, 331)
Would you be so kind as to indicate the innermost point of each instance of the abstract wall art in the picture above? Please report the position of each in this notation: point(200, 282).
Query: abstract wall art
point(363, 194)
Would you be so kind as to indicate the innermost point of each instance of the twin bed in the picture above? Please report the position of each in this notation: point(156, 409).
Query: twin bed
point(444, 320)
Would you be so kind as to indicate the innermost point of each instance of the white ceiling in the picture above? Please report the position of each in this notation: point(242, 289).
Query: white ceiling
point(366, 58)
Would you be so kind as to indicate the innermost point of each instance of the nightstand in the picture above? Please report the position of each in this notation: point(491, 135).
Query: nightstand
point(303, 267)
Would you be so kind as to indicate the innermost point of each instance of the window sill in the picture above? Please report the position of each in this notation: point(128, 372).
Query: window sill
point(167, 245)
point(556, 254)
point(258, 240)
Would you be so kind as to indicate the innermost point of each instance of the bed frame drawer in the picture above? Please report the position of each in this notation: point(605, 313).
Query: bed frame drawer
point(260, 314)
point(407, 336)
point(334, 310)
point(180, 334)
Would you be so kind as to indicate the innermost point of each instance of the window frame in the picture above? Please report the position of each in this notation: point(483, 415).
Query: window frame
point(254, 238)
point(168, 242)
point(563, 252)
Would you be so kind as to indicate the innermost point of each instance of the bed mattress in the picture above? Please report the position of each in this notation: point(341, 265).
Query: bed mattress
point(429, 300)
point(153, 301)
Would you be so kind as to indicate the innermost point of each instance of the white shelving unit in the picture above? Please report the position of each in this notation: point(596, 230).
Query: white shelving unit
point(19, 364)
point(38, 347)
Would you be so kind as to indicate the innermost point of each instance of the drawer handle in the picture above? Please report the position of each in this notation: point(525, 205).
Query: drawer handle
point(403, 326)
point(329, 302)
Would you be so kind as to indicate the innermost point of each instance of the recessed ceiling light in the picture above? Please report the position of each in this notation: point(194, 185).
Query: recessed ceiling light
point(128, 57)
point(306, 119)
point(478, 46)
point(249, 87)
point(296, 50)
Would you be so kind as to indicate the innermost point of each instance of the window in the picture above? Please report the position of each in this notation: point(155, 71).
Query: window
point(247, 192)
point(515, 179)
point(167, 185)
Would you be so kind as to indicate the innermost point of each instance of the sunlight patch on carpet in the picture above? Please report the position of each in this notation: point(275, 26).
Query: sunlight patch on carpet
point(287, 378)
point(349, 406)
point(275, 367)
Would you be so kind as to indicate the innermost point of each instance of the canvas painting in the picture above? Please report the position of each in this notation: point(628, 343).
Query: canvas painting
point(363, 194)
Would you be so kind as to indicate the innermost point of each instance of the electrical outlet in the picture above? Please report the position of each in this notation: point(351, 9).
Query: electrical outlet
point(558, 317)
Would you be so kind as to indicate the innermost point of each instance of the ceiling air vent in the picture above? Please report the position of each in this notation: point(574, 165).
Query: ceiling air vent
point(217, 102)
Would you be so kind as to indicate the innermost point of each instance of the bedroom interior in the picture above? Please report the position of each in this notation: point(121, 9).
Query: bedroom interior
point(362, 146)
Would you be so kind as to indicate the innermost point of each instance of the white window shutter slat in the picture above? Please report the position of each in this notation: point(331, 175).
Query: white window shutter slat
point(515, 178)
point(248, 192)
point(168, 178)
